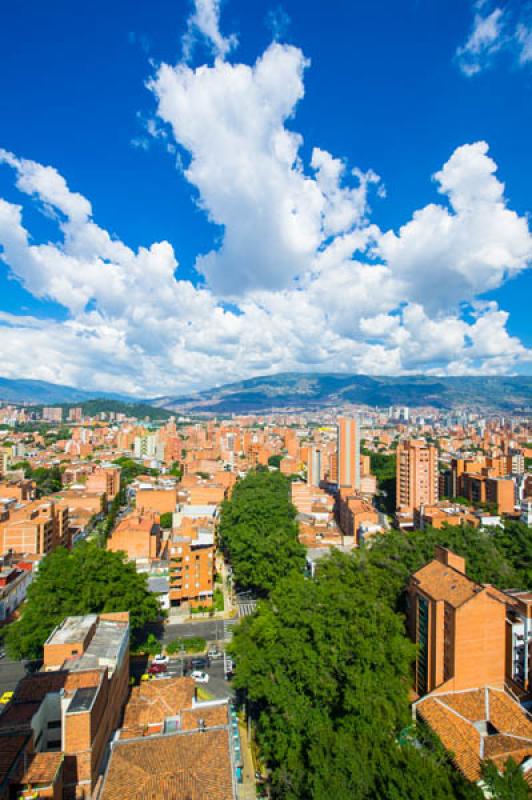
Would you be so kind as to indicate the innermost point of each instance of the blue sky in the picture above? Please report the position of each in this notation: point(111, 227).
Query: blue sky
point(392, 88)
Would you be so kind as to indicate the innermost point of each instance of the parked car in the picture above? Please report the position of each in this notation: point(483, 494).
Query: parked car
point(199, 677)
point(160, 659)
point(200, 663)
point(214, 653)
point(6, 697)
point(155, 669)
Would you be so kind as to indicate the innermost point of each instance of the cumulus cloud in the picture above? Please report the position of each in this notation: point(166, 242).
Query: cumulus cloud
point(245, 163)
point(205, 22)
point(314, 283)
point(447, 255)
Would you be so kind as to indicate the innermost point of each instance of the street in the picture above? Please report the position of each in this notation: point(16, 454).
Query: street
point(10, 673)
point(214, 630)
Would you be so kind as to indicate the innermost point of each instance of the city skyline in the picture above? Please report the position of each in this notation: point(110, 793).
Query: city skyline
point(207, 194)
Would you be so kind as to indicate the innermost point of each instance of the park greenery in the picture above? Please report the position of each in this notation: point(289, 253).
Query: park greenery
point(258, 532)
point(194, 644)
point(47, 479)
point(87, 579)
point(384, 468)
point(324, 668)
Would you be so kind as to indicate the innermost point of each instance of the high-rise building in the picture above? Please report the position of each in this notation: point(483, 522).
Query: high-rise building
point(75, 414)
point(314, 471)
point(52, 414)
point(458, 625)
point(417, 475)
point(348, 453)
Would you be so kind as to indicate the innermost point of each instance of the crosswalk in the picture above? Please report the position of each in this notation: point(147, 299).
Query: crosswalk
point(229, 624)
point(247, 608)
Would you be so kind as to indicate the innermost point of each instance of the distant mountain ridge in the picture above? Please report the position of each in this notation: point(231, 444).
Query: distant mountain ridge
point(292, 390)
point(295, 390)
point(39, 392)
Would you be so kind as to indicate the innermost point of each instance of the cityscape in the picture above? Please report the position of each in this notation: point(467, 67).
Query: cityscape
point(265, 414)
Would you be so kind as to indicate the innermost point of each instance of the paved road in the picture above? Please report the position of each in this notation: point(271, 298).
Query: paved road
point(10, 674)
point(217, 685)
point(211, 630)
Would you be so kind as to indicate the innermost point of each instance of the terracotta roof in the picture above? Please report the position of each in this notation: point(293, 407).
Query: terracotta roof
point(477, 725)
point(34, 688)
point(18, 714)
point(10, 749)
point(442, 582)
point(154, 701)
point(183, 766)
point(211, 716)
point(42, 768)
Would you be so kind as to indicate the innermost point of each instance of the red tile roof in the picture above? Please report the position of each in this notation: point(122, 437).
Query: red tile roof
point(183, 766)
point(460, 721)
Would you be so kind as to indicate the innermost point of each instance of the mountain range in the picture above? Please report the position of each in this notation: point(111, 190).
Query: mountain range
point(315, 390)
point(294, 390)
point(41, 392)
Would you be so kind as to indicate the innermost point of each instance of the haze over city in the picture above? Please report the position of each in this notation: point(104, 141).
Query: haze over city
point(196, 193)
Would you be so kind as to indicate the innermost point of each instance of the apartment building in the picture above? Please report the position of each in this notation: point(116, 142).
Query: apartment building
point(52, 414)
point(138, 535)
point(348, 448)
point(105, 480)
point(157, 496)
point(417, 475)
point(60, 720)
point(444, 513)
point(519, 639)
point(458, 625)
point(352, 512)
point(191, 551)
point(495, 491)
point(14, 582)
point(37, 527)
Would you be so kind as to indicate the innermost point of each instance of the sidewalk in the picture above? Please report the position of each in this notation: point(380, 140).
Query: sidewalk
point(247, 789)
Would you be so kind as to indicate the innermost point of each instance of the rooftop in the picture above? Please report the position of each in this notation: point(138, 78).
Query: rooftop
point(178, 766)
point(442, 582)
point(478, 724)
point(72, 629)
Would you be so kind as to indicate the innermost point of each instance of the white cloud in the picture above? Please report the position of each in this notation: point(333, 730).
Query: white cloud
point(485, 39)
point(501, 30)
point(448, 256)
point(205, 21)
point(245, 163)
point(523, 35)
point(316, 285)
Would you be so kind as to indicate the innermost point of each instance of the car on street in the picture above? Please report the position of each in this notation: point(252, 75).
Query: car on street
point(199, 676)
point(214, 653)
point(160, 659)
point(5, 698)
point(155, 669)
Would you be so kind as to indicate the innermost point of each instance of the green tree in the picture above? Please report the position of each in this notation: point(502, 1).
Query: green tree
point(275, 461)
point(85, 580)
point(324, 666)
point(507, 785)
point(258, 531)
point(166, 519)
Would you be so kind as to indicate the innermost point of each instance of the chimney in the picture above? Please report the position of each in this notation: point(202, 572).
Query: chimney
point(449, 559)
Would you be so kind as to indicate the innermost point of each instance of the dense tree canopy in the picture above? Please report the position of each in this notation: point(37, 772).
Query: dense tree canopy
point(85, 580)
point(325, 667)
point(259, 532)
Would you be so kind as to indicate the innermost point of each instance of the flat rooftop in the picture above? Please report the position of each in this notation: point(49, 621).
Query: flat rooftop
point(104, 647)
point(72, 629)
